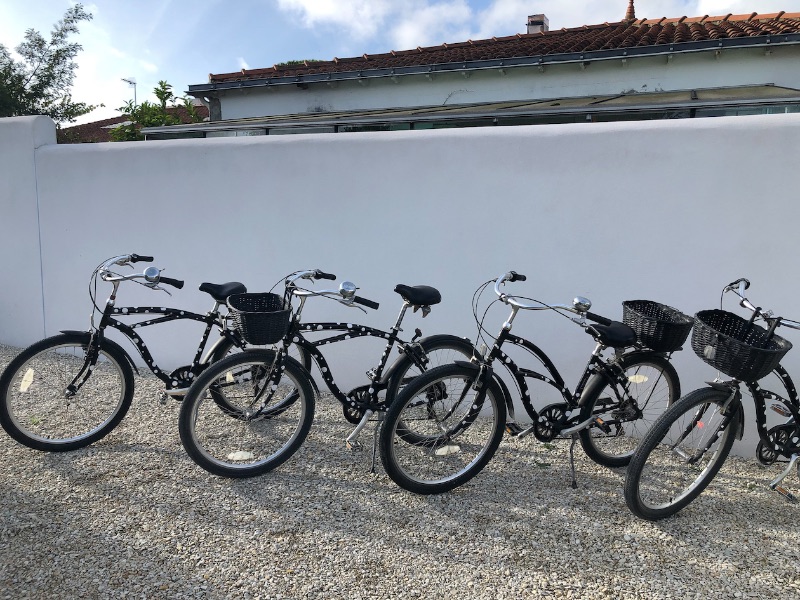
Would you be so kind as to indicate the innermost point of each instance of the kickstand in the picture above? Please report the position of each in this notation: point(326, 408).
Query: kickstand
point(572, 460)
point(375, 443)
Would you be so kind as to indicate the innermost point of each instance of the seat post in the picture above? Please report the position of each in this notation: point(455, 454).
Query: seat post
point(396, 326)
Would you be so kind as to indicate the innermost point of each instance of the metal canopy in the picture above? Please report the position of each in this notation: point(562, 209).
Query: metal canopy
point(747, 96)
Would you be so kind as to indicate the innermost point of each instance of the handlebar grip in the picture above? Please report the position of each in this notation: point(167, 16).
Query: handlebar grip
point(598, 319)
point(517, 277)
point(322, 275)
point(736, 283)
point(368, 303)
point(139, 258)
point(177, 283)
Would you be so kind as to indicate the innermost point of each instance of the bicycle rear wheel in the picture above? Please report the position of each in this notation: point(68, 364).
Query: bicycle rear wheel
point(439, 432)
point(627, 408)
point(682, 453)
point(231, 425)
point(37, 406)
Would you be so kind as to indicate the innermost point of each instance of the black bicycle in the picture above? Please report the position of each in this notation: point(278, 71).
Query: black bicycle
point(248, 413)
point(70, 390)
point(446, 425)
point(689, 443)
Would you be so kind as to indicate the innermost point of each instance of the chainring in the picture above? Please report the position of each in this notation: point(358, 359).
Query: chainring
point(548, 423)
point(784, 437)
point(183, 376)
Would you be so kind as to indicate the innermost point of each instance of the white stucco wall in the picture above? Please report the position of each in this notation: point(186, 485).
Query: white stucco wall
point(688, 71)
point(664, 210)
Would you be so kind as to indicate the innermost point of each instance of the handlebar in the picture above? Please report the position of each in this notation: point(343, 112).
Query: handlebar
point(151, 276)
point(345, 294)
point(739, 286)
point(579, 308)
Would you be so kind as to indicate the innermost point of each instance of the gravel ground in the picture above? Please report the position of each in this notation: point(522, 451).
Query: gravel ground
point(133, 517)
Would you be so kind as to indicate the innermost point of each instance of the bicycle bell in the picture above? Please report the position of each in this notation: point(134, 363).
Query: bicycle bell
point(581, 304)
point(152, 274)
point(347, 289)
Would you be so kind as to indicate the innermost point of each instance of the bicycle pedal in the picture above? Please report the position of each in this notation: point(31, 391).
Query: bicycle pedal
point(162, 398)
point(355, 446)
point(513, 429)
point(785, 493)
point(602, 425)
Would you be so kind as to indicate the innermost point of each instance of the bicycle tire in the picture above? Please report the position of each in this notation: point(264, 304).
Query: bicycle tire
point(681, 454)
point(654, 386)
point(34, 409)
point(239, 443)
point(457, 430)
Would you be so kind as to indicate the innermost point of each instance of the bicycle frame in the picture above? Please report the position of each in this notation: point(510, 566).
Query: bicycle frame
point(211, 319)
point(553, 378)
point(378, 380)
point(177, 381)
point(564, 423)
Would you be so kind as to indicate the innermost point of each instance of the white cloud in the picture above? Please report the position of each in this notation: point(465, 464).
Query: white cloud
point(357, 18)
point(242, 63)
point(431, 24)
point(147, 66)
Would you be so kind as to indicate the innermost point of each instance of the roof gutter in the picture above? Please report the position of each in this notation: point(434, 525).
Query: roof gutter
point(767, 41)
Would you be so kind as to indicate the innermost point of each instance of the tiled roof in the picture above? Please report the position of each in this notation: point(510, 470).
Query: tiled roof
point(589, 38)
point(100, 131)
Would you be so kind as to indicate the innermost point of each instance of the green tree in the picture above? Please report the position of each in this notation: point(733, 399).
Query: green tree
point(40, 83)
point(150, 114)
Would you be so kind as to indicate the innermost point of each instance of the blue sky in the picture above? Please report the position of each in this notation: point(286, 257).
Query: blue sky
point(182, 41)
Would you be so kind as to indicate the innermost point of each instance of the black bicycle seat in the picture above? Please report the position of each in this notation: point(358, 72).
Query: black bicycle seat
point(221, 291)
point(419, 295)
point(615, 335)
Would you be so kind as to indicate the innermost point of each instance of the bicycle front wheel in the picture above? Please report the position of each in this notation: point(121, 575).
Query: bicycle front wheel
point(233, 424)
point(439, 432)
point(682, 453)
point(627, 407)
point(47, 402)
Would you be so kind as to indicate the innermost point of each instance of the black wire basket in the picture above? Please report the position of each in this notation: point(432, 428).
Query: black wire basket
point(260, 318)
point(658, 326)
point(735, 346)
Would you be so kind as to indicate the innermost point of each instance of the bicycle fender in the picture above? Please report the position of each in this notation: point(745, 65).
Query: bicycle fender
point(302, 368)
point(296, 363)
point(389, 373)
point(500, 383)
point(111, 345)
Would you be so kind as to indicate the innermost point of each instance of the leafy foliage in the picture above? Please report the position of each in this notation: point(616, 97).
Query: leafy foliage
point(40, 83)
point(150, 114)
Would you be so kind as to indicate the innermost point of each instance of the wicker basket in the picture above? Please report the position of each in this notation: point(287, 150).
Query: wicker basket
point(259, 318)
point(735, 346)
point(658, 327)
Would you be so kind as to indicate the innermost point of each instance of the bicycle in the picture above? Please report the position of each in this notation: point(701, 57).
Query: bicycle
point(689, 443)
point(275, 405)
point(72, 389)
point(446, 425)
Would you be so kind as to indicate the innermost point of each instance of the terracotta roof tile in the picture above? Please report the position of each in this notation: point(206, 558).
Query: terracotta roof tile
point(588, 38)
point(100, 131)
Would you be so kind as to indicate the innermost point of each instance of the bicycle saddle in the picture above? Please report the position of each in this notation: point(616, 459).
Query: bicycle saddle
point(221, 291)
point(615, 335)
point(419, 295)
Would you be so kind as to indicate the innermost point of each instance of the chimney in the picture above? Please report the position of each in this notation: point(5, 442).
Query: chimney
point(630, 15)
point(538, 24)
